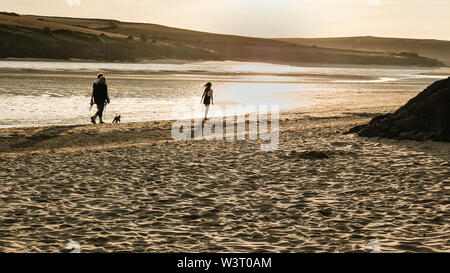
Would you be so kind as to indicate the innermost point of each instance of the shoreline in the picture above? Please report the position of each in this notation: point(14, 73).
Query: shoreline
point(189, 61)
point(69, 136)
point(16, 140)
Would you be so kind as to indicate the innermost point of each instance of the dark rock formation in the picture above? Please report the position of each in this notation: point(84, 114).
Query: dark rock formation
point(425, 117)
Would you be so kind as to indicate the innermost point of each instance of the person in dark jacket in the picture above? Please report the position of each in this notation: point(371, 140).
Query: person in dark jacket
point(99, 97)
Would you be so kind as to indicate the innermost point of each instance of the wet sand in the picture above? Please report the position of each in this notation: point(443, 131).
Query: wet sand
point(137, 190)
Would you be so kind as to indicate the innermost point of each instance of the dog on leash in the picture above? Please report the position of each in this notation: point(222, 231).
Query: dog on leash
point(116, 119)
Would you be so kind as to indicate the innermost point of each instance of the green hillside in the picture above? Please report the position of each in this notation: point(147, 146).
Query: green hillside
point(24, 36)
point(435, 49)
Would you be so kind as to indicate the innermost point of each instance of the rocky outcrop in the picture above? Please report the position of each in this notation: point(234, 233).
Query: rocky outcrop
point(425, 117)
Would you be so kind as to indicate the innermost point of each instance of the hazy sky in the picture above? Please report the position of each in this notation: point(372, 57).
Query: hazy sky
point(264, 18)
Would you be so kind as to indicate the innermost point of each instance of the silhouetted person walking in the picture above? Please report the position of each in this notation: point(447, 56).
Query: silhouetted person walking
point(207, 98)
point(99, 97)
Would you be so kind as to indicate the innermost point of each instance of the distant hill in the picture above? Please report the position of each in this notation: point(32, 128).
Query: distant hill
point(32, 36)
point(436, 49)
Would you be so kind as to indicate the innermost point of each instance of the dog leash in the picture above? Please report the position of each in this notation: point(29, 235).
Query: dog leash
point(104, 110)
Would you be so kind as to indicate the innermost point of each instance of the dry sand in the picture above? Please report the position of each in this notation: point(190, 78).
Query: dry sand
point(135, 189)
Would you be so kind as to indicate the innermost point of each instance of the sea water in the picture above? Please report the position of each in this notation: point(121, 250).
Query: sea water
point(37, 93)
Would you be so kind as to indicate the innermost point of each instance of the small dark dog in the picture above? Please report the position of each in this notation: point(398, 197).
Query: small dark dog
point(116, 119)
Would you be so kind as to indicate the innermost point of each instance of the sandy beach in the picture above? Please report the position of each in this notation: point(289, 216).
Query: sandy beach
point(130, 187)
